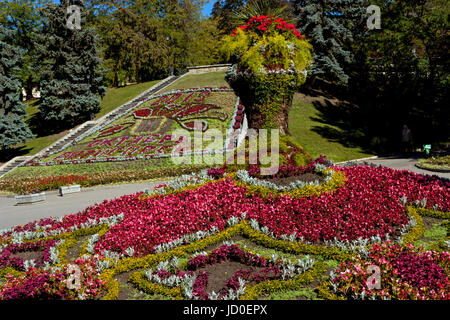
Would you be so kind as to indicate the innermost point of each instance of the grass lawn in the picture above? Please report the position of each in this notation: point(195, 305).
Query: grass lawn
point(211, 79)
point(301, 125)
point(117, 96)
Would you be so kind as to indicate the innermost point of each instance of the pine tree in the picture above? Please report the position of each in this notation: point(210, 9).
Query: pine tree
point(71, 81)
point(23, 17)
point(13, 129)
point(329, 25)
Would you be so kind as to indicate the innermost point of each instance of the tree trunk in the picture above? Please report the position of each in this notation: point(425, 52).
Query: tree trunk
point(258, 120)
point(29, 88)
point(267, 100)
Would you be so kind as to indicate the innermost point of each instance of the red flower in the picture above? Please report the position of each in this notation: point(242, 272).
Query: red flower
point(264, 24)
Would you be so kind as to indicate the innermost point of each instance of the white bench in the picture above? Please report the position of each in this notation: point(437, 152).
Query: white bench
point(30, 198)
point(69, 189)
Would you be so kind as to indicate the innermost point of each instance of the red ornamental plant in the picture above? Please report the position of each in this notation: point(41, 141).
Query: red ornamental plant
point(262, 270)
point(110, 131)
point(268, 24)
point(406, 273)
point(47, 183)
point(367, 205)
point(272, 62)
point(40, 284)
point(216, 173)
point(9, 258)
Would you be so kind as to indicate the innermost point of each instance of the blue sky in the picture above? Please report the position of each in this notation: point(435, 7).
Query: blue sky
point(208, 7)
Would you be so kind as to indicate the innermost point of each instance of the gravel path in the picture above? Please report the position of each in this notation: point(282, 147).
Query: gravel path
point(405, 163)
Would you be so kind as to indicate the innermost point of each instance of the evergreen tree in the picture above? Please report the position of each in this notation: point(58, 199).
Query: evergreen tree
point(13, 129)
point(330, 27)
point(23, 17)
point(71, 81)
point(403, 71)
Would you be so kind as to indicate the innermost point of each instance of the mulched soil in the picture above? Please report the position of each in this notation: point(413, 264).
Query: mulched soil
point(28, 255)
point(125, 289)
point(219, 273)
point(307, 177)
point(150, 125)
point(219, 244)
point(428, 222)
point(74, 252)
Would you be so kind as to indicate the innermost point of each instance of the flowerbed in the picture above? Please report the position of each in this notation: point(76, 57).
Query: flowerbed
point(195, 280)
point(272, 60)
point(34, 184)
point(37, 184)
point(406, 273)
point(8, 258)
point(439, 163)
point(369, 206)
point(44, 284)
point(144, 131)
point(266, 187)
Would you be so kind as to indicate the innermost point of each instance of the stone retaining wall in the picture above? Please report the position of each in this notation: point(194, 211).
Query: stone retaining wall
point(209, 68)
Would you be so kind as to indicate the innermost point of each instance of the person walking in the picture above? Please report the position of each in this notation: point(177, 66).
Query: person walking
point(406, 139)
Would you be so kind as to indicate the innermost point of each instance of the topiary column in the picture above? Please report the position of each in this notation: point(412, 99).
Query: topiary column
point(272, 58)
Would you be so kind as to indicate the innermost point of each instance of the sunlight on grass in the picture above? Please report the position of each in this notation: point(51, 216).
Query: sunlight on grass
point(300, 126)
point(211, 79)
point(117, 96)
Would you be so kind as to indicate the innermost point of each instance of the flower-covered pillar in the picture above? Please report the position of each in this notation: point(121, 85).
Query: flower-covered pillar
point(272, 59)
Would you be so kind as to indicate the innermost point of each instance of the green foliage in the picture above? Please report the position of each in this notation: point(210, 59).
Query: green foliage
point(417, 231)
point(337, 180)
point(402, 70)
point(13, 129)
point(306, 293)
point(223, 13)
point(144, 40)
point(331, 25)
point(23, 17)
point(273, 51)
point(440, 163)
point(264, 96)
point(273, 60)
point(71, 80)
point(301, 159)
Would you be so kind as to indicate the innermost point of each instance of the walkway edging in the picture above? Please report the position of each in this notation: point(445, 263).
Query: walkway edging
point(432, 170)
point(357, 160)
